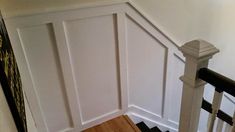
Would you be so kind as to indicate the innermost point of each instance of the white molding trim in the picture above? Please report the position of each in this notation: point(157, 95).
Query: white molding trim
point(34, 93)
point(156, 24)
point(136, 118)
point(100, 119)
point(122, 57)
point(162, 41)
point(74, 6)
point(152, 116)
point(138, 8)
point(229, 97)
point(68, 73)
point(137, 109)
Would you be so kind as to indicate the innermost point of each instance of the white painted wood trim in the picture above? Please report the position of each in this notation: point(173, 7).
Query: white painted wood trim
point(150, 120)
point(227, 128)
point(111, 10)
point(219, 126)
point(68, 15)
point(67, 70)
point(229, 97)
point(132, 3)
point(122, 50)
point(168, 86)
point(156, 24)
point(27, 80)
point(158, 37)
point(233, 127)
point(197, 53)
point(215, 108)
point(121, 11)
point(74, 6)
point(101, 119)
point(152, 29)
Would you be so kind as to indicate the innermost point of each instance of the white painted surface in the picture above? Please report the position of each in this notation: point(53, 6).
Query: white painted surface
point(93, 48)
point(176, 89)
point(216, 103)
point(174, 17)
point(197, 54)
point(146, 69)
point(210, 20)
point(26, 7)
point(40, 51)
point(97, 48)
point(80, 67)
point(219, 126)
point(31, 126)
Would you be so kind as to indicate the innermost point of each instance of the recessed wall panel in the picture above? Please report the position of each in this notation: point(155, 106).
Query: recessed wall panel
point(175, 89)
point(146, 62)
point(94, 56)
point(41, 53)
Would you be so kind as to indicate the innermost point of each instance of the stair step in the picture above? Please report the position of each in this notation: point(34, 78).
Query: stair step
point(143, 127)
point(155, 129)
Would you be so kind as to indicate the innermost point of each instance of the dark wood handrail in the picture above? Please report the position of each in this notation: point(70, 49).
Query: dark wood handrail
point(221, 115)
point(220, 82)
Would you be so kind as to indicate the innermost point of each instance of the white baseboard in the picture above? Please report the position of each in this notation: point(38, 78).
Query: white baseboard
point(137, 115)
point(150, 123)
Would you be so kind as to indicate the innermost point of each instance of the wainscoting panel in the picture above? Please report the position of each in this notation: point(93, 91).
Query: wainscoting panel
point(175, 91)
point(84, 66)
point(146, 69)
point(93, 46)
point(40, 51)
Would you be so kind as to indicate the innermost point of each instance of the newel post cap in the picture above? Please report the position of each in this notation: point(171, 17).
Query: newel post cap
point(198, 49)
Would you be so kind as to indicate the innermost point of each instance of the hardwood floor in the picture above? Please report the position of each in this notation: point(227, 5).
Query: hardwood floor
point(119, 124)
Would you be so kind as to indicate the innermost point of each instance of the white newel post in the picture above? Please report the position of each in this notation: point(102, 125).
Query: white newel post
point(197, 54)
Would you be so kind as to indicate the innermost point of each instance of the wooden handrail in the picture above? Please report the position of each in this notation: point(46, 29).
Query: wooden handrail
point(221, 83)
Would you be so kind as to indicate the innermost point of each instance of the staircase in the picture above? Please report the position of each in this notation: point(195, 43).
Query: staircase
point(144, 128)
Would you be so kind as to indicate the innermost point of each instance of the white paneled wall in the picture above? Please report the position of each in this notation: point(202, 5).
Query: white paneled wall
point(82, 67)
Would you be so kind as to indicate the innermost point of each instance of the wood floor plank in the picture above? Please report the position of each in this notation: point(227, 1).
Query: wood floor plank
point(118, 124)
